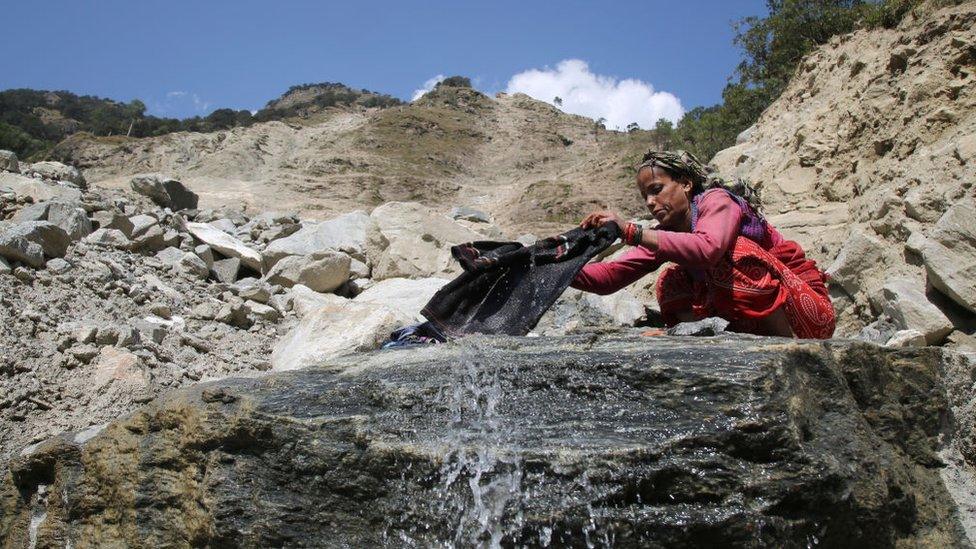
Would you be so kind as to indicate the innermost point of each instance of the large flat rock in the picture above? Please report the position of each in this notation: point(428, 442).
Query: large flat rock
point(584, 440)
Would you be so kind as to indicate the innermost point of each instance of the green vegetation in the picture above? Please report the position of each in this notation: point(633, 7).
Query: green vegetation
point(33, 121)
point(454, 82)
point(772, 48)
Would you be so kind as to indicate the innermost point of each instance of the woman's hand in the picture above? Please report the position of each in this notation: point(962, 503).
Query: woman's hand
point(601, 218)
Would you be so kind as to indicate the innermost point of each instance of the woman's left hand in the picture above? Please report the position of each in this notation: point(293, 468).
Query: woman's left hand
point(601, 218)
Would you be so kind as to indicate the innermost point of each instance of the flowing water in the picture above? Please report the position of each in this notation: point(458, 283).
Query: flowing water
point(481, 485)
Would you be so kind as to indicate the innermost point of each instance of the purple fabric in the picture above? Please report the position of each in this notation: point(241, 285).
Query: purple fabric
point(753, 225)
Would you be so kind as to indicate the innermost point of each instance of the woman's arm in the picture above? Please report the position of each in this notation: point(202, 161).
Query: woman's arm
point(609, 276)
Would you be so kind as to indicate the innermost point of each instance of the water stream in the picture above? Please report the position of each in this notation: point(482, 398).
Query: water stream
point(481, 485)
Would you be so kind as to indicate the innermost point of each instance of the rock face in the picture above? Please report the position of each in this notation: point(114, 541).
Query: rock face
point(164, 191)
point(420, 241)
point(612, 440)
point(355, 234)
point(872, 142)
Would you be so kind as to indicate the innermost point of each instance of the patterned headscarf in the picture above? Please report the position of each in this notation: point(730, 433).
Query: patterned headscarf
point(682, 163)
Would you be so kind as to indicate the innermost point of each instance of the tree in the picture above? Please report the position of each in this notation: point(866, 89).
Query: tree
point(599, 124)
point(632, 127)
point(455, 82)
point(558, 101)
point(663, 133)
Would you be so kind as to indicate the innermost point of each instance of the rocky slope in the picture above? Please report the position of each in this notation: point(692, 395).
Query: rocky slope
point(530, 166)
point(869, 159)
point(109, 298)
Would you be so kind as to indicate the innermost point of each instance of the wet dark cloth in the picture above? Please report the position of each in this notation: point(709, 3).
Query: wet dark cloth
point(424, 333)
point(507, 287)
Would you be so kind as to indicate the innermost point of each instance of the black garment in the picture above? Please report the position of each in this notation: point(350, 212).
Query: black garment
point(506, 287)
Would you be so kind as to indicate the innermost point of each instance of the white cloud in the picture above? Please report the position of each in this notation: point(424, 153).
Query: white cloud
point(620, 102)
point(180, 103)
point(428, 85)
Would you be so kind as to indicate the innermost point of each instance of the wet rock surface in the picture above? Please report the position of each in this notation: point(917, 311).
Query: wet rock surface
point(586, 440)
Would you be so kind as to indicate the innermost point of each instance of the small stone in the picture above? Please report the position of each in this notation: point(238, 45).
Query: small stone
point(226, 270)
point(206, 311)
point(58, 266)
point(704, 327)
point(24, 275)
point(170, 256)
point(5, 266)
point(151, 328)
point(113, 238)
point(106, 219)
point(141, 223)
point(233, 315)
point(161, 310)
point(83, 353)
point(206, 254)
point(261, 311)
point(255, 292)
point(907, 338)
point(191, 264)
point(84, 334)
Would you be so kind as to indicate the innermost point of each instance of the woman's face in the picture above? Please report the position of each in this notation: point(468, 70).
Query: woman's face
point(668, 200)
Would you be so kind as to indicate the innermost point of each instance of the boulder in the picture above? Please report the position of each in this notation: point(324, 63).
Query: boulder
point(225, 225)
point(420, 241)
point(151, 240)
point(109, 237)
point(406, 295)
point(37, 189)
point(70, 217)
point(904, 301)
point(226, 270)
point(8, 162)
point(141, 223)
point(165, 192)
point(336, 329)
point(262, 311)
point(907, 338)
point(355, 234)
point(949, 254)
point(614, 439)
point(322, 271)
point(33, 212)
point(469, 214)
point(57, 171)
point(306, 301)
point(32, 241)
point(861, 254)
point(170, 255)
point(106, 219)
point(576, 310)
point(226, 244)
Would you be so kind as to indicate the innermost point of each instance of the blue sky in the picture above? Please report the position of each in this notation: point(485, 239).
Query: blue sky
point(188, 58)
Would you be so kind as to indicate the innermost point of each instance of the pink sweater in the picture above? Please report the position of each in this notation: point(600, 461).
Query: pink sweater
point(718, 223)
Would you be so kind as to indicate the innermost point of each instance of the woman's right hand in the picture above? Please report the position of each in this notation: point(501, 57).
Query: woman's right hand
point(601, 218)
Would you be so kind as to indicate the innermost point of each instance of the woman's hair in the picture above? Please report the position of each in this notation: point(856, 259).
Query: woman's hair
point(682, 165)
point(679, 165)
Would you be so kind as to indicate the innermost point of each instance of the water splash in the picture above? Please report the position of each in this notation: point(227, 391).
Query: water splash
point(482, 486)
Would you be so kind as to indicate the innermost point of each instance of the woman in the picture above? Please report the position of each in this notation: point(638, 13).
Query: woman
point(729, 261)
